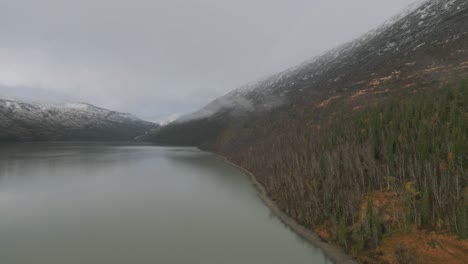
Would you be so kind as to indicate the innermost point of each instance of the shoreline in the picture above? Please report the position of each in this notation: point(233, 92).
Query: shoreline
point(335, 254)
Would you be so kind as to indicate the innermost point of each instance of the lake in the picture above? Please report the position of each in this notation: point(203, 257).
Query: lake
point(67, 203)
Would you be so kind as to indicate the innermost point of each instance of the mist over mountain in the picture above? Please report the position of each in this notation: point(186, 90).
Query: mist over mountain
point(423, 45)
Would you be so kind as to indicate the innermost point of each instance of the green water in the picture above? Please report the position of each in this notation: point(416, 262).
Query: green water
point(83, 203)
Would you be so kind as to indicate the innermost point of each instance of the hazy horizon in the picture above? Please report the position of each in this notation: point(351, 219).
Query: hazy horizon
point(160, 58)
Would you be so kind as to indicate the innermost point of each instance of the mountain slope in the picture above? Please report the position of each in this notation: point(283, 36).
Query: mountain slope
point(22, 121)
point(424, 45)
point(366, 144)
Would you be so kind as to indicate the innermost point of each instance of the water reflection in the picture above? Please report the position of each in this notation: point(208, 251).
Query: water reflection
point(119, 203)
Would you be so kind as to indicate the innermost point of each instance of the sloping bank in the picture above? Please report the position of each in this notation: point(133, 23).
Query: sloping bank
point(334, 253)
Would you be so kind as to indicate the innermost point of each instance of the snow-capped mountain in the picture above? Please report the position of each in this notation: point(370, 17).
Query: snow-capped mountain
point(427, 34)
point(424, 46)
point(25, 121)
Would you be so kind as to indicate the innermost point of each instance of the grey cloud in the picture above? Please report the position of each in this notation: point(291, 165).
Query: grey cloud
point(155, 58)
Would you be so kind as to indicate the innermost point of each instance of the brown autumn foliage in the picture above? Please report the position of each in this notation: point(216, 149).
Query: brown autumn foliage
point(369, 173)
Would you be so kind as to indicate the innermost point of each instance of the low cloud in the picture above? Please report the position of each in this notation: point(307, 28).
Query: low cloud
point(154, 58)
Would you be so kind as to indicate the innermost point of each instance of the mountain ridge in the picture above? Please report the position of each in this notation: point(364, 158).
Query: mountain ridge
point(366, 144)
point(404, 51)
point(30, 121)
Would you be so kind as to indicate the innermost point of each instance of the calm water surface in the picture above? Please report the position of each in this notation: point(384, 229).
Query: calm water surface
point(67, 203)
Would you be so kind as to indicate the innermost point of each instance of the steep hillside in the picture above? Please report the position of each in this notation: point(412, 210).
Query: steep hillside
point(22, 121)
point(365, 144)
point(425, 45)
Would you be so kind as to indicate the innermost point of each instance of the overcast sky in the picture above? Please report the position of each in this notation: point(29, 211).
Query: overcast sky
point(155, 58)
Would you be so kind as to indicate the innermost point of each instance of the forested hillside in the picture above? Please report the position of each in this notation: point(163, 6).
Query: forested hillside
point(367, 144)
point(363, 175)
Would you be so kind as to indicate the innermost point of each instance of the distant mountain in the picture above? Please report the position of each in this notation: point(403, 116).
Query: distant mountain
point(25, 121)
point(427, 44)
